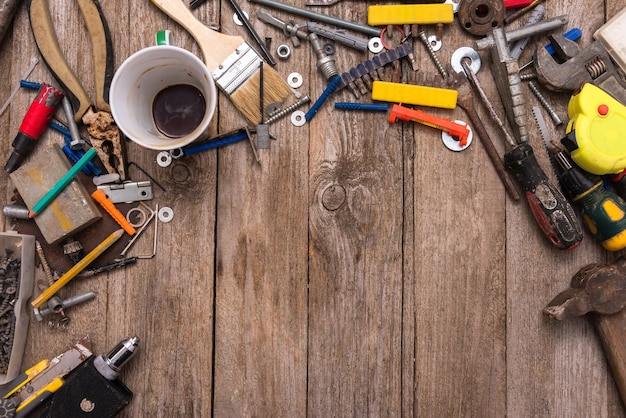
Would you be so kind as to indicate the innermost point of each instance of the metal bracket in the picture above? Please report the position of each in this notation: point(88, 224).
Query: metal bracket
point(128, 192)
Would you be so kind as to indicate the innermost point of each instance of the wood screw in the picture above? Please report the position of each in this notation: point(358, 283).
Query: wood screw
point(545, 103)
point(433, 54)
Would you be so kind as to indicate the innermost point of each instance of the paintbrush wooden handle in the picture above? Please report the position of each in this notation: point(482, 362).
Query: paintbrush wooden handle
point(215, 46)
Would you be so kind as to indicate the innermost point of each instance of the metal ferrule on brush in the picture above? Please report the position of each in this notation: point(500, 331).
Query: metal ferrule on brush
point(237, 68)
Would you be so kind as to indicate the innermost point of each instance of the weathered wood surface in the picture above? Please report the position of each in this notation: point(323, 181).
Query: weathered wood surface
point(358, 269)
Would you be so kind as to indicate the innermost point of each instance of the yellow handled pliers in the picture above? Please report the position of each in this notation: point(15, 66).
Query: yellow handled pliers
point(104, 135)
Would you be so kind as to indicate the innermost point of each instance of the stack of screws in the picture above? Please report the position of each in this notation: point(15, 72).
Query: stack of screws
point(9, 281)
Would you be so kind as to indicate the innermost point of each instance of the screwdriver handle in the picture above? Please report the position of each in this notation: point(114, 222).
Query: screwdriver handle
point(553, 212)
point(604, 213)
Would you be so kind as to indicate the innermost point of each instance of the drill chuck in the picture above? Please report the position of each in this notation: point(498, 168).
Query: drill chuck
point(110, 364)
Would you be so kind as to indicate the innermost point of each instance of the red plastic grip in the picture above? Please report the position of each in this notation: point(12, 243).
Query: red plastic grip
point(513, 4)
point(41, 111)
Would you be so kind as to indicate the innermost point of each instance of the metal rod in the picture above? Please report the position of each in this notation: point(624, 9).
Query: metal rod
point(266, 53)
point(525, 31)
point(368, 30)
point(483, 97)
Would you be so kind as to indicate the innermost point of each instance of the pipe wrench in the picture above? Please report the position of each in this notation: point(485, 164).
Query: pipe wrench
point(104, 135)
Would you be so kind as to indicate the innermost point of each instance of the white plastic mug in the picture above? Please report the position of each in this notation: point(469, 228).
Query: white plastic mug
point(139, 81)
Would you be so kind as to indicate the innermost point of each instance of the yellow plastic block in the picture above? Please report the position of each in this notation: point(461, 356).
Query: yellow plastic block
point(411, 94)
point(406, 14)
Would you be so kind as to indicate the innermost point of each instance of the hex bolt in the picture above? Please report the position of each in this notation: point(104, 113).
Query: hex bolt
point(282, 113)
point(433, 54)
point(545, 103)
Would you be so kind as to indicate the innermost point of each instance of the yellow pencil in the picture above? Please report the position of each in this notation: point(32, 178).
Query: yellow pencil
point(78, 267)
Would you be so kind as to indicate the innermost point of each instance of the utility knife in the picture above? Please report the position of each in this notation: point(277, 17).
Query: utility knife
point(35, 385)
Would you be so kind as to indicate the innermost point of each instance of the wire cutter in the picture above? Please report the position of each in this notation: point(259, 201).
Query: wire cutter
point(104, 134)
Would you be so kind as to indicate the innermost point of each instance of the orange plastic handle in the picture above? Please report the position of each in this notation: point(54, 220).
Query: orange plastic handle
point(399, 112)
point(101, 197)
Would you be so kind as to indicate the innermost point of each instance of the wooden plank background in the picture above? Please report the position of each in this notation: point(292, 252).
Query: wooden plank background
point(359, 268)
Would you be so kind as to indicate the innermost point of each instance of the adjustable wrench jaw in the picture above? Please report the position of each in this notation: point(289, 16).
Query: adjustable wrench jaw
point(589, 65)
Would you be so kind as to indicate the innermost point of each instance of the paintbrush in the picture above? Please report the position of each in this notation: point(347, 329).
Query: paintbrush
point(233, 63)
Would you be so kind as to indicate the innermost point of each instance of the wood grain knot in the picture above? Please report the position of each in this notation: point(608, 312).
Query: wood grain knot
point(180, 173)
point(333, 197)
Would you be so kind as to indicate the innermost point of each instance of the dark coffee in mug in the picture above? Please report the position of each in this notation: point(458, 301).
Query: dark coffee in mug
point(178, 110)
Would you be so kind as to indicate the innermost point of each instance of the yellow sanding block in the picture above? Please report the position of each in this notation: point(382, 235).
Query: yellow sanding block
point(411, 94)
point(407, 14)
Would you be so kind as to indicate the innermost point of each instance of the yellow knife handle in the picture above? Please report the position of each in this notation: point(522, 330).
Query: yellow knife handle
point(33, 401)
point(19, 382)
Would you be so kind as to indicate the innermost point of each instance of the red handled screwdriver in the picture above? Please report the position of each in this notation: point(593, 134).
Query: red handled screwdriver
point(552, 211)
point(37, 118)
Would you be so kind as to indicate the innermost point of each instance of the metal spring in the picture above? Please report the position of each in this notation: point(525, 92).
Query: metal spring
point(595, 67)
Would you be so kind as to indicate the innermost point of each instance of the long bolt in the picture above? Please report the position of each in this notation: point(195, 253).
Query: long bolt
point(282, 113)
point(485, 99)
point(433, 54)
point(545, 103)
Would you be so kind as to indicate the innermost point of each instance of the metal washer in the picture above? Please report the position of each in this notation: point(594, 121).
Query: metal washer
point(237, 20)
point(166, 214)
point(375, 45)
point(164, 159)
point(273, 108)
point(462, 53)
point(295, 80)
point(435, 42)
point(297, 118)
point(141, 216)
point(453, 143)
